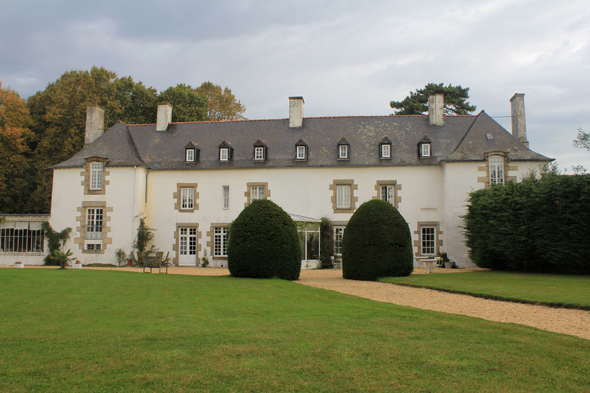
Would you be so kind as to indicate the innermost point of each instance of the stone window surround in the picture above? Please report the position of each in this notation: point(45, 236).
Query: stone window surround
point(176, 244)
point(353, 199)
point(507, 167)
point(81, 229)
point(177, 196)
point(211, 241)
point(438, 243)
point(86, 176)
point(249, 188)
point(396, 188)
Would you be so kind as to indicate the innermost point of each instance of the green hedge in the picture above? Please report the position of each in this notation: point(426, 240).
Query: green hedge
point(376, 243)
point(538, 225)
point(263, 243)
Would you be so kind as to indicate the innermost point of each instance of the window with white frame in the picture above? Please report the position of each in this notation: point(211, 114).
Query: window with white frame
point(187, 198)
point(257, 192)
point(343, 151)
point(338, 233)
point(190, 155)
point(224, 154)
point(94, 221)
point(226, 197)
point(301, 153)
point(387, 193)
point(259, 153)
point(428, 240)
point(96, 175)
point(343, 197)
point(21, 236)
point(425, 150)
point(220, 242)
point(385, 151)
point(94, 246)
point(496, 168)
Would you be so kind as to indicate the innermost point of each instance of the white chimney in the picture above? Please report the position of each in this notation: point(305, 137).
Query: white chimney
point(518, 119)
point(436, 107)
point(164, 116)
point(94, 123)
point(295, 112)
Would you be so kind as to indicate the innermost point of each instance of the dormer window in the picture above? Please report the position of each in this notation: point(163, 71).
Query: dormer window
point(96, 176)
point(225, 151)
point(343, 149)
point(385, 149)
point(301, 150)
point(260, 151)
point(425, 147)
point(191, 152)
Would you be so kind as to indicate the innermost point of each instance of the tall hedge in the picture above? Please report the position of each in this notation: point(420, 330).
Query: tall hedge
point(263, 243)
point(538, 225)
point(376, 243)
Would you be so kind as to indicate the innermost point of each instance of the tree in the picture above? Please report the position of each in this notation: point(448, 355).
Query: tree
point(15, 138)
point(187, 103)
point(221, 105)
point(582, 140)
point(417, 102)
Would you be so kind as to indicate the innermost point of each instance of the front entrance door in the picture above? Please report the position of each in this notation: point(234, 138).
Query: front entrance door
point(188, 246)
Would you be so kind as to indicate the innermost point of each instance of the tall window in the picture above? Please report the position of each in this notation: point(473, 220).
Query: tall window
point(226, 197)
point(259, 153)
point(190, 155)
point(425, 150)
point(257, 192)
point(224, 154)
point(385, 151)
point(343, 151)
point(427, 241)
point(388, 194)
point(301, 152)
point(338, 233)
point(343, 197)
point(220, 242)
point(94, 223)
point(496, 168)
point(188, 198)
point(96, 175)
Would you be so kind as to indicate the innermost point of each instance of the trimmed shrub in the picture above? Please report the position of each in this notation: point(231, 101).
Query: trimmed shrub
point(376, 243)
point(263, 243)
point(538, 225)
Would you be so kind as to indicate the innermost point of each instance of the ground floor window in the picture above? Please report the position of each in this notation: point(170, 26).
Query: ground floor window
point(220, 242)
point(338, 233)
point(187, 246)
point(21, 236)
point(94, 220)
point(428, 240)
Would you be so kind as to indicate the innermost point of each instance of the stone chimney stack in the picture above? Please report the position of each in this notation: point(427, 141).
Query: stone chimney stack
point(295, 112)
point(436, 108)
point(94, 123)
point(164, 116)
point(518, 119)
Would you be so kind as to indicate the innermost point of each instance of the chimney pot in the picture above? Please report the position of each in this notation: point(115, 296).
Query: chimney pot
point(94, 123)
point(295, 112)
point(436, 104)
point(164, 116)
point(518, 118)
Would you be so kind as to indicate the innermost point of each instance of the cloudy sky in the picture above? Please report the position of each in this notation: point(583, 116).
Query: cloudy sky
point(343, 57)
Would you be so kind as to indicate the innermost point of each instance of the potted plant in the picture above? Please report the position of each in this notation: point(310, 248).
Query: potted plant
point(19, 265)
point(446, 261)
point(62, 258)
point(77, 264)
point(121, 256)
point(204, 260)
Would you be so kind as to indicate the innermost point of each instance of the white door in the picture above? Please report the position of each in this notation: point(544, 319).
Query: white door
point(188, 247)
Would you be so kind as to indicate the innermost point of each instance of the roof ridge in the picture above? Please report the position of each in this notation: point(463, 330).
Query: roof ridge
point(466, 133)
point(132, 145)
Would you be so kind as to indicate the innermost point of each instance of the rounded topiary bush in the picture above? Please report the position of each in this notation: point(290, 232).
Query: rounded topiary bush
point(263, 243)
point(376, 243)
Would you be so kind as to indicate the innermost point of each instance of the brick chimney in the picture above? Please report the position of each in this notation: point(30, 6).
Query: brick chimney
point(94, 123)
point(164, 116)
point(295, 112)
point(436, 107)
point(518, 119)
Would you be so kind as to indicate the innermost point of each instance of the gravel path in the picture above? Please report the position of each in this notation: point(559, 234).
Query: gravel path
point(565, 321)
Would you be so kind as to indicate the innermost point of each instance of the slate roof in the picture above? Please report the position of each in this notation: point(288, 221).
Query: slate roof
point(462, 138)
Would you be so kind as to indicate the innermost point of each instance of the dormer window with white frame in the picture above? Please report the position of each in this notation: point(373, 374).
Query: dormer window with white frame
point(260, 151)
point(385, 149)
point(190, 155)
point(225, 151)
point(343, 149)
point(425, 147)
point(96, 169)
point(191, 152)
point(301, 150)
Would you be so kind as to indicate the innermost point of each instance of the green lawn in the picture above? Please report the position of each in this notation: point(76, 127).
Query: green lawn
point(549, 289)
point(116, 331)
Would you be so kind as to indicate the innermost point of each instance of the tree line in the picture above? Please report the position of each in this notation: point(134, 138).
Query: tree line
point(49, 127)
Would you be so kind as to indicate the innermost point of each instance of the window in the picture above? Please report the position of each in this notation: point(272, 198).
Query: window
point(338, 233)
point(386, 151)
point(94, 224)
point(496, 168)
point(190, 155)
point(388, 194)
point(224, 154)
point(21, 236)
point(428, 240)
point(226, 197)
point(220, 242)
point(343, 197)
point(96, 175)
point(425, 150)
point(257, 192)
point(187, 198)
point(343, 152)
point(301, 152)
point(259, 153)
point(94, 246)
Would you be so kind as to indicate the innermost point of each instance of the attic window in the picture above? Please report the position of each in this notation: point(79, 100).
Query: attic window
point(385, 149)
point(425, 151)
point(343, 149)
point(425, 147)
point(489, 136)
point(191, 152)
point(260, 151)
point(225, 151)
point(301, 150)
point(190, 155)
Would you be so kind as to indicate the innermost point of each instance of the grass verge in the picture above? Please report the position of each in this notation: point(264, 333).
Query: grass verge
point(84, 330)
point(546, 289)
